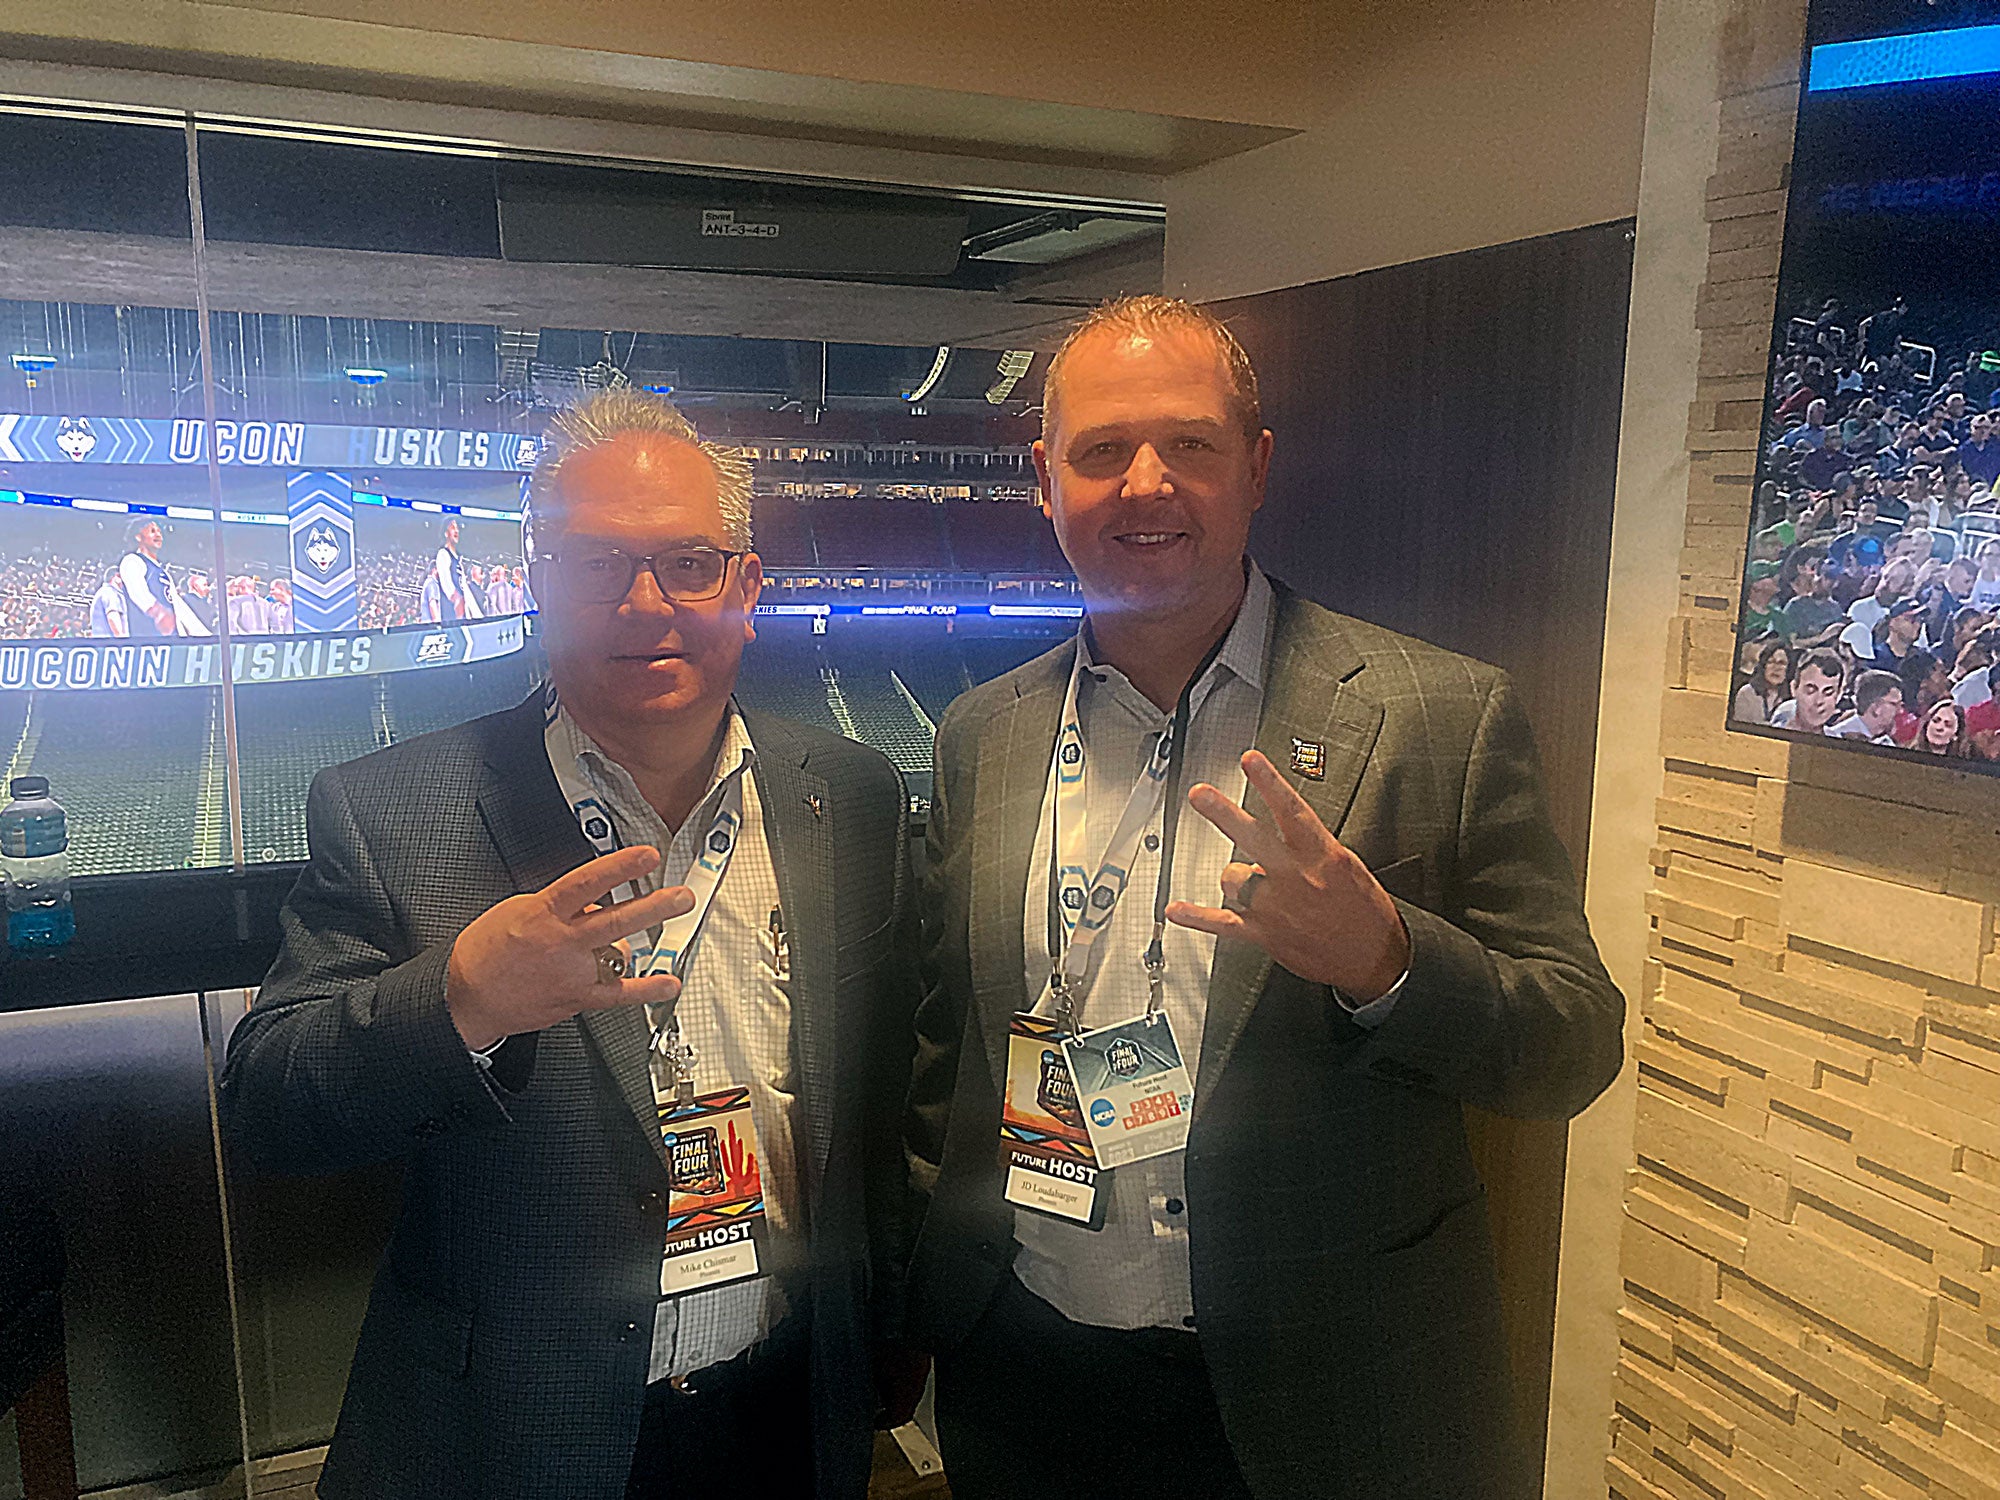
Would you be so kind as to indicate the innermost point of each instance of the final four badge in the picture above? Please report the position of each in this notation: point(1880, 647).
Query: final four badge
point(1044, 1145)
point(1134, 1088)
point(715, 1203)
point(1309, 759)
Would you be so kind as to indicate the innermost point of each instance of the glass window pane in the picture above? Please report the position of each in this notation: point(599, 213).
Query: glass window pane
point(106, 538)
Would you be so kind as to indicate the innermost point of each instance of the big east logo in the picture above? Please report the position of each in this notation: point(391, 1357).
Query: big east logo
point(434, 647)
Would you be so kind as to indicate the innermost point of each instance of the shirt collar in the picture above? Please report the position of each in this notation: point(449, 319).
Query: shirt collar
point(1248, 643)
point(736, 755)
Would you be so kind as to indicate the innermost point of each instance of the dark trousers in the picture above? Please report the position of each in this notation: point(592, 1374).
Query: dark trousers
point(1034, 1407)
point(743, 1428)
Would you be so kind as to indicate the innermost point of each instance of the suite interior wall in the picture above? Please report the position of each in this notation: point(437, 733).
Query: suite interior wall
point(1811, 1233)
point(1474, 513)
point(1437, 128)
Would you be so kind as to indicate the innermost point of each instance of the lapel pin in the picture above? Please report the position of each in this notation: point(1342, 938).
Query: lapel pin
point(1309, 759)
point(812, 801)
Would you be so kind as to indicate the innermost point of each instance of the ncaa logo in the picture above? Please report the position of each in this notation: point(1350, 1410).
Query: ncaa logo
point(1101, 1112)
point(434, 647)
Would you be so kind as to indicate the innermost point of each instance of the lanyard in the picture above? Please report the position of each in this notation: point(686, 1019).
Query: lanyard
point(671, 943)
point(1080, 904)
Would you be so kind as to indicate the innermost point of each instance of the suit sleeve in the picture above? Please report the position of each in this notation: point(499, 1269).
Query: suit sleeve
point(941, 1018)
point(1506, 1005)
point(349, 1055)
point(891, 1211)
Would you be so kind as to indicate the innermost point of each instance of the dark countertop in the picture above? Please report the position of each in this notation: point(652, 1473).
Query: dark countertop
point(171, 933)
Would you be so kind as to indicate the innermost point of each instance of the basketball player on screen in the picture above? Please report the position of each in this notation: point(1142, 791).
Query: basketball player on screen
point(448, 592)
point(155, 604)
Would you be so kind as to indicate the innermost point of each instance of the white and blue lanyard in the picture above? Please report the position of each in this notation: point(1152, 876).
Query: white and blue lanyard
point(671, 944)
point(1081, 904)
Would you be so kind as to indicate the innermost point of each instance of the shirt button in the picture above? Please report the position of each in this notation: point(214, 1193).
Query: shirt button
point(1152, 842)
point(625, 1333)
point(1175, 1206)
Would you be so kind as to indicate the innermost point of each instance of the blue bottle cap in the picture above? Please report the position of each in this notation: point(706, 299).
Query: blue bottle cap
point(28, 786)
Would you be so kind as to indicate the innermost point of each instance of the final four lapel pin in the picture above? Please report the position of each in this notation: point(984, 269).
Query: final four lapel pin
point(1309, 759)
point(812, 801)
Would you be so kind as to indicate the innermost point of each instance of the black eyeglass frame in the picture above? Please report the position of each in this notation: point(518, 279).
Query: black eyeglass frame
point(647, 561)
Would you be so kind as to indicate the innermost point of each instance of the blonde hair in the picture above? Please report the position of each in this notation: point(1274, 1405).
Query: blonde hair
point(610, 414)
point(1149, 315)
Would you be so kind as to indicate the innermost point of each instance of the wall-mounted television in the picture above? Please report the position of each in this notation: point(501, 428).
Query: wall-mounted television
point(1871, 591)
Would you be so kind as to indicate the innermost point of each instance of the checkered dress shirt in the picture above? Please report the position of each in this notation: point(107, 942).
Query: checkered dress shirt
point(736, 1014)
point(1134, 1272)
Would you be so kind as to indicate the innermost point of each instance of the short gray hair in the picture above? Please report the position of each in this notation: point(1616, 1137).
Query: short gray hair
point(1149, 315)
point(607, 415)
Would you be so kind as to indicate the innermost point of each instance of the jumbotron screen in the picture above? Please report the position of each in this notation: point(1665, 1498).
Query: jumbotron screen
point(1871, 592)
point(110, 577)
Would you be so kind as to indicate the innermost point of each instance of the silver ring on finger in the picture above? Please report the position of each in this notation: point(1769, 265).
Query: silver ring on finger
point(611, 964)
point(1240, 902)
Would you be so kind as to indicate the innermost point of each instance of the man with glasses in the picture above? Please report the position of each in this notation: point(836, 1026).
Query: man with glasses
point(624, 976)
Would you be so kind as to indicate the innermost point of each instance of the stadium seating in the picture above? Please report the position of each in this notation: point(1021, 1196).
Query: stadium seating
point(783, 677)
point(134, 773)
point(880, 533)
point(285, 734)
point(439, 697)
point(933, 669)
point(987, 659)
point(782, 532)
point(143, 774)
point(882, 715)
point(1003, 537)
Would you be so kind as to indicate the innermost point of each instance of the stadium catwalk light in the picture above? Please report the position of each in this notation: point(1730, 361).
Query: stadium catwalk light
point(366, 375)
point(34, 364)
point(1013, 365)
point(930, 381)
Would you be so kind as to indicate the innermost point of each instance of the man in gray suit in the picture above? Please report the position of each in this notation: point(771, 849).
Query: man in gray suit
point(1268, 1273)
point(624, 977)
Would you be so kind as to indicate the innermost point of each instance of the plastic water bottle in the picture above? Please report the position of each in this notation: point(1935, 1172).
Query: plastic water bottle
point(34, 847)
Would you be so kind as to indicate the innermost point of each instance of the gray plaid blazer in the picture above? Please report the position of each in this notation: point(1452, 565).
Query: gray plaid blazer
point(1343, 1269)
point(505, 1348)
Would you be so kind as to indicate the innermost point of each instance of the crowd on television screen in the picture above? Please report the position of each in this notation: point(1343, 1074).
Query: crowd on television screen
point(1871, 591)
point(47, 594)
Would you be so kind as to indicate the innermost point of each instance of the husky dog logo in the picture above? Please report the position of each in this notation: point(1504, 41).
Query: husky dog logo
point(322, 548)
point(74, 437)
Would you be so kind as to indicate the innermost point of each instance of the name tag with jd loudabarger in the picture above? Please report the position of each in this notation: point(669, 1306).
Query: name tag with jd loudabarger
point(715, 1203)
point(1044, 1147)
point(1133, 1089)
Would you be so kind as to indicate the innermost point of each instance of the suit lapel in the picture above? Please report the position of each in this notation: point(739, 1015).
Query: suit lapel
point(794, 801)
point(536, 834)
point(1312, 697)
point(1012, 778)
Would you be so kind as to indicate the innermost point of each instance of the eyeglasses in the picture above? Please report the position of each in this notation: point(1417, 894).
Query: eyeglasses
point(604, 575)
